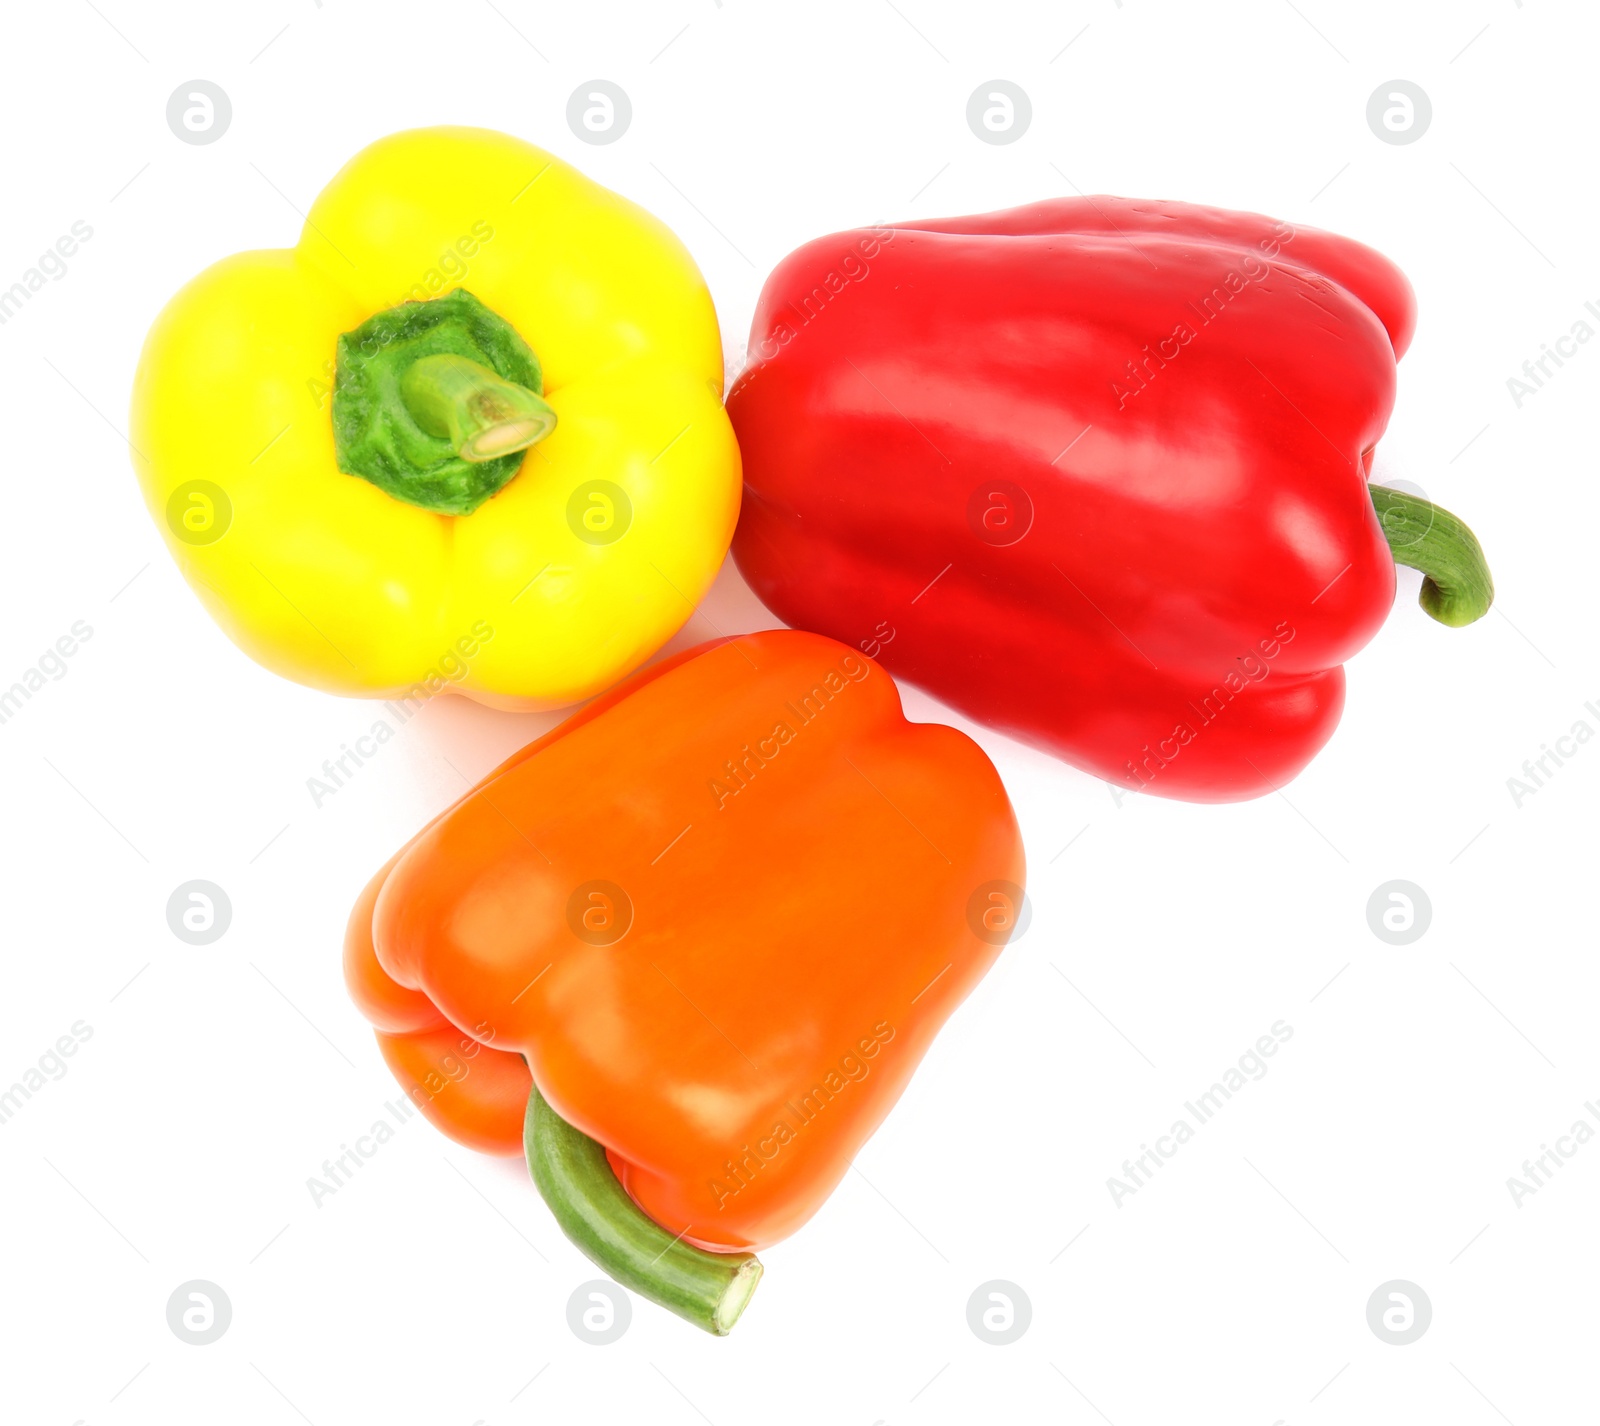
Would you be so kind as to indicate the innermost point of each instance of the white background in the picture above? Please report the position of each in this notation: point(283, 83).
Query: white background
point(1165, 939)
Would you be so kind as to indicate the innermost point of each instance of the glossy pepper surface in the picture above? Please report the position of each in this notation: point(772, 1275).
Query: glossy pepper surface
point(1094, 471)
point(721, 913)
point(468, 432)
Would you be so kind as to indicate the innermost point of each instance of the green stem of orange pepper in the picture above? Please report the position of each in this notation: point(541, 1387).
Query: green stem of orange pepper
point(573, 1176)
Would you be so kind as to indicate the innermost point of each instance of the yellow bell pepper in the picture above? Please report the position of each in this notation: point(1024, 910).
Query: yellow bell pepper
point(467, 433)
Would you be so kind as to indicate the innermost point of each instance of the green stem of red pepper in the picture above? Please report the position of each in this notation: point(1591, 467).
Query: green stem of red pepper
point(574, 1177)
point(1456, 587)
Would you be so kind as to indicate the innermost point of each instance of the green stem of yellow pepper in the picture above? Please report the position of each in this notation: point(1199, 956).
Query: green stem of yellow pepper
point(434, 403)
point(482, 415)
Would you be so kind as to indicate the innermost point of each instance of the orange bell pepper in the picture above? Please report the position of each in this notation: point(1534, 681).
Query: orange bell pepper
point(716, 918)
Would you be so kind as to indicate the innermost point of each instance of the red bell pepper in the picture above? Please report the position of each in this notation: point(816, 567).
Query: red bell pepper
point(1095, 472)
